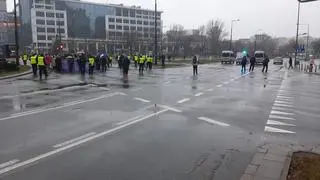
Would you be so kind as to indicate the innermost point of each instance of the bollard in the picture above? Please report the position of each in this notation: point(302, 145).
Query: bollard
point(315, 68)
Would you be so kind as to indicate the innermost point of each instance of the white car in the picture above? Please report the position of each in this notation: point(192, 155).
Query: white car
point(278, 60)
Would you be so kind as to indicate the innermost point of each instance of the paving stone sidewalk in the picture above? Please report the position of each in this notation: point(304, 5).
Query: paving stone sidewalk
point(272, 161)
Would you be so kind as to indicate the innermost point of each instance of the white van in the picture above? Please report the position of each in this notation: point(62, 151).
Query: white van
point(227, 57)
point(260, 56)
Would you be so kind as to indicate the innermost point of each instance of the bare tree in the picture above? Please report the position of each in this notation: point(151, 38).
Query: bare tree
point(215, 31)
point(287, 48)
point(266, 43)
point(175, 38)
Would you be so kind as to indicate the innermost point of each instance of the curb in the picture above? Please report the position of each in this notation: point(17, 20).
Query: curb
point(16, 75)
point(272, 161)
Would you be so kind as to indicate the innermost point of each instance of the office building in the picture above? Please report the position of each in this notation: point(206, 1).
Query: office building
point(87, 26)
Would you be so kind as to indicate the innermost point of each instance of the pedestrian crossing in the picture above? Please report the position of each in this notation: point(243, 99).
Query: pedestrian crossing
point(282, 117)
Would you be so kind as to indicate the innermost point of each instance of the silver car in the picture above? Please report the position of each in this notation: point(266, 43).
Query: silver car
point(278, 60)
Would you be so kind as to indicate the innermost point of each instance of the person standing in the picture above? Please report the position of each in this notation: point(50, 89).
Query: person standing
point(252, 63)
point(98, 61)
point(34, 63)
point(312, 64)
point(103, 61)
point(141, 64)
point(136, 61)
point(195, 62)
point(25, 58)
point(82, 62)
point(290, 63)
point(265, 64)
point(243, 64)
point(125, 66)
point(70, 61)
point(91, 65)
point(42, 67)
point(163, 58)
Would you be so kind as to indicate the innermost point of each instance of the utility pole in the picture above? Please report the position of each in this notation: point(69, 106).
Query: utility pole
point(297, 35)
point(155, 34)
point(232, 32)
point(16, 32)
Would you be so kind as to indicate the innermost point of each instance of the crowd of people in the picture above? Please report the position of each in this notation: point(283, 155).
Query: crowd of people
point(79, 62)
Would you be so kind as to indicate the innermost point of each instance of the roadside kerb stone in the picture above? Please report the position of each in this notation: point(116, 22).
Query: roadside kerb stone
point(272, 161)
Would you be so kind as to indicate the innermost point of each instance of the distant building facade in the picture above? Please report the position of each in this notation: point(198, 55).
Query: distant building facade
point(85, 26)
point(3, 22)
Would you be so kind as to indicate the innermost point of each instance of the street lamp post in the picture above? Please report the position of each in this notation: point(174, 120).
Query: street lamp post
point(308, 36)
point(236, 20)
point(155, 34)
point(297, 35)
point(16, 32)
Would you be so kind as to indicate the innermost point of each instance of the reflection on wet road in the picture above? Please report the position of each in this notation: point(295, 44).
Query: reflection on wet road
point(166, 124)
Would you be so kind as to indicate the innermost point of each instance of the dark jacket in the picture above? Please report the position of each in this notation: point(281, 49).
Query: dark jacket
point(266, 61)
point(125, 62)
point(244, 60)
point(252, 60)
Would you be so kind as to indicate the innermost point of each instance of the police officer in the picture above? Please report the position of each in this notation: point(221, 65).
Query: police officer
point(136, 60)
point(42, 66)
point(141, 64)
point(25, 58)
point(91, 65)
point(110, 57)
point(33, 62)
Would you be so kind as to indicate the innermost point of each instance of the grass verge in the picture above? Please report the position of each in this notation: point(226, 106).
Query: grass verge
point(22, 69)
point(304, 166)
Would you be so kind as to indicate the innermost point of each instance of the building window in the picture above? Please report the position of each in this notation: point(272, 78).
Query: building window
point(132, 21)
point(139, 28)
point(50, 22)
point(126, 28)
point(60, 30)
point(42, 44)
point(145, 12)
point(40, 21)
point(51, 30)
point(118, 12)
point(49, 7)
point(111, 19)
point(132, 13)
point(151, 23)
point(146, 35)
point(118, 34)
point(145, 29)
point(145, 23)
point(41, 37)
point(125, 12)
point(119, 27)
point(126, 21)
point(145, 17)
point(151, 29)
point(111, 26)
point(59, 15)
point(138, 16)
point(49, 44)
point(39, 29)
point(139, 22)
point(48, 14)
point(38, 6)
point(133, 28)
point(138, 11)
point(119, 20)
point(112, 33)
point(51, 37)
point(61, 23)
point(40, 14)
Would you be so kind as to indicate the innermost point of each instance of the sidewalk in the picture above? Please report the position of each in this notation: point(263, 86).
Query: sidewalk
point(16, 75)
point(272, 161)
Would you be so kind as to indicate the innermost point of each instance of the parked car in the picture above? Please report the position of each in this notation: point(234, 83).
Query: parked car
point(227, 57)
point(278, 60)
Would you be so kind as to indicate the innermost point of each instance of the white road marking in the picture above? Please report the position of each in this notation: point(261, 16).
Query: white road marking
point(74, 140)
point(231, 80)
point(280, 108)
point(183, 100)
point(219, 86)
point(142, 100)
point(227, 82)
point(281, 117)
point(282, 105)
point(77, 143)
point(170, 108)
point(199, 94)
point(209, 90)
point(283, 102)
point(284, 97)
point(136, 89)
point(211, 121)
point(104, 88)
point(167, 82)
point(131, 119)
point(9, 163)
point(59, 107)
point(281, 113)
point(278, 123)
point(277, 130)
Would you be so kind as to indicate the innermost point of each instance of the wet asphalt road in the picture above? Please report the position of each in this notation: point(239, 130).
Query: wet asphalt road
point(166, 124)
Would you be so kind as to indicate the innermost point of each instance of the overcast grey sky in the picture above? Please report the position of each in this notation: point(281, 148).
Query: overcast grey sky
point(275, 17)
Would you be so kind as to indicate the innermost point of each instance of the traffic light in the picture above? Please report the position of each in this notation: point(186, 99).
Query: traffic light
point(61, 46)
point(244, 52)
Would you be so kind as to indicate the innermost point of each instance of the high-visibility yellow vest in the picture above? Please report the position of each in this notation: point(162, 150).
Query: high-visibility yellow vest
point(136, 58)
point(33, 60)
point(40, 61)
point(25, 57)
point(91, 61)
point(129, 57)
point(141, 60)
